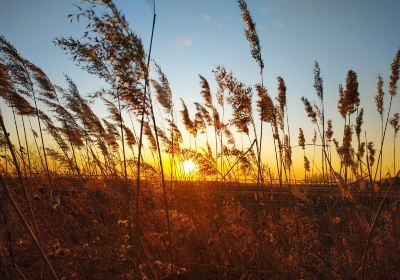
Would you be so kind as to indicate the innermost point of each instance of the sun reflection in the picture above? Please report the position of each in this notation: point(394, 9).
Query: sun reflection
point(189, 166)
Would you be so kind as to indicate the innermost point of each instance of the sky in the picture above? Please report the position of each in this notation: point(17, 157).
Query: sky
point(194, 36)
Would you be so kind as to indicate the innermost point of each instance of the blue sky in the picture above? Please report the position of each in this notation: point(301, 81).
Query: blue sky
point(193, 36)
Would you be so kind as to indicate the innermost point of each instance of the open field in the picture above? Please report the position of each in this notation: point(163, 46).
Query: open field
point(218, 232)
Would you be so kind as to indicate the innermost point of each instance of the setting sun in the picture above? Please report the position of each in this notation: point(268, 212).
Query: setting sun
point(188, 166)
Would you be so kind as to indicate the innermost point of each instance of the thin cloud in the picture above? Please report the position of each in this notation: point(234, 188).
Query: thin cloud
point(265, 10)
point(185, 42)
point(278, 24)
point(206, 17)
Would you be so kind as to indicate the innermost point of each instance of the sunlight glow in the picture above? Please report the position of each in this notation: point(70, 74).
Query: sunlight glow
point(189, 166)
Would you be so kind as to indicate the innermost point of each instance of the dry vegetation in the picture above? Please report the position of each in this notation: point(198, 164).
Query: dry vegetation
point(84, 196)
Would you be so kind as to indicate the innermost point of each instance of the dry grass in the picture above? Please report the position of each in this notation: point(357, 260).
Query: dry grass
point(89, 208)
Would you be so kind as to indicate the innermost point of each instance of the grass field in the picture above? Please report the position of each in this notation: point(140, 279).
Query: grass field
point(216, 234)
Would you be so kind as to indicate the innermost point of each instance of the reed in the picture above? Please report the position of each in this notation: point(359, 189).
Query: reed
point(394, 77)
point(395, 123)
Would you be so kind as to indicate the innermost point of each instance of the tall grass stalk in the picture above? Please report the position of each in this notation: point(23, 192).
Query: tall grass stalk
point(27, 226)
point(27, 148)
point(20, 178)
point(394, 77)
point(395, 122)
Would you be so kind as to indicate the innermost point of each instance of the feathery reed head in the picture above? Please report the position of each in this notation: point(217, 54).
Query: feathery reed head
point(150, 136)
point(110, 50)
point(228, 135)
point(163, 90)
point(379, 96)
point(329, 131)
point(216, 120)
point(222, 78)
point(43, 82)
point(187, 122)
point(302, 140)
point(281, 98)
point(205, 91)
point(206, 115)
point(359, 122)
point(318, 82)
point(395, 123)
point(288, 152)
point(311, 113)
point(129, 136)
point(175, 132)
point(240, 98)
point(306, 164)
point(10, 95)
point(394, 76)
point(361, 150)
point(199, 122)
point(265, 105)
point(111, 136)
point(314, 138)
point(351, 94)
point(251, 34)
point(342, 102)
point(115, 114)
point(371, 153)
point(345, 151)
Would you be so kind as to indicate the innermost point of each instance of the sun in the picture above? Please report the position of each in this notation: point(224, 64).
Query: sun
point(189, 166)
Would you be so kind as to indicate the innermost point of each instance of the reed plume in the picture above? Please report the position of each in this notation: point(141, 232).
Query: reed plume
point(204, 112)
point(187, 122)
point(199, 122)
point(314, 141)
point(224, 81)
point(351, 94)
point(319, 88)
point(111, 136)
point(30, 80)
point(110, 50)
point(302, 144)
point(395, 123)
point(371, 152)
point(251, 34)
point(329, 131)
point(379, 97)
point(318, 82)
point(178, 139)
point(205, 91)
point(346, 151)
point(342, 103)
point(240, 99)
point(163, 90)
point(302, 140)
point(217, 121)
point(359, 122)
point(311, 113)
point(306, 167)
point(11, 96)
point(394, 77)
point(130, 137)
point(115, 113)
point(228, 134)
point(265, 105)
point(288, 152)
point(150, 137)
point(281, 98)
